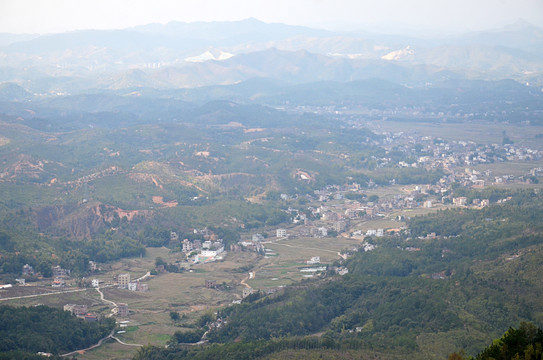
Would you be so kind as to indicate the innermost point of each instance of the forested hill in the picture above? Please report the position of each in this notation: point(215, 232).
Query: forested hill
point(418, 295)
point(24, 331)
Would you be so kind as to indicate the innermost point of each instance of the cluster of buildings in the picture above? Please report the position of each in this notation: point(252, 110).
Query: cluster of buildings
point(335, 211)
point(210, 251)
point(58, 273)
point(207, 248)
point(432, 152)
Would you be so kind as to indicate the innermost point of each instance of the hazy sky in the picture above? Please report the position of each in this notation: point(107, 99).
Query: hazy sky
point(46, 16)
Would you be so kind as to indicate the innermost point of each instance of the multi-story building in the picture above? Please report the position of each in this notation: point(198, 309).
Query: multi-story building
point(123, 280)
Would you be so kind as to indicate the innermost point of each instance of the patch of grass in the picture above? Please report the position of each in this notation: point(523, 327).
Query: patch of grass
point(159, 338)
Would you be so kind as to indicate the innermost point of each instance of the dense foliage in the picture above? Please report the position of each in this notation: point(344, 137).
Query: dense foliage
point(526, 343)
point(244, 350)
point(41, 328)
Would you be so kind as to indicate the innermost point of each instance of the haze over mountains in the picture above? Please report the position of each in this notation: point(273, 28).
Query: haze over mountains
point(408, 171)
point(185, 55)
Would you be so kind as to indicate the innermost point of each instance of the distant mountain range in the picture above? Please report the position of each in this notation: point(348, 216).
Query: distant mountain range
point(187, 55)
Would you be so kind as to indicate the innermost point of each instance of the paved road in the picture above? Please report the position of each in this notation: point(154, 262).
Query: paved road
point(110, 336)
point(144, 277)
point(91, 347)
point(99, 343)
point(121, 342)
point(44, 294)
point(102, 297)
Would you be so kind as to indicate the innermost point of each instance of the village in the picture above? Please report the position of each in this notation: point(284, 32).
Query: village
point(199, 270)
point(347, 210)
point(435, 152)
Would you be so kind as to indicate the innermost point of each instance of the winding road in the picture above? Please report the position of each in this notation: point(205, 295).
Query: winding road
point(91, 347)
point(110, 336)
point(250, 276)
point(115, 306)
point(103, 299)
point(99, 343)
point(122, 342)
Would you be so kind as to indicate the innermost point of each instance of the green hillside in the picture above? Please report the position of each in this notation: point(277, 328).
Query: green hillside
point(476, 279)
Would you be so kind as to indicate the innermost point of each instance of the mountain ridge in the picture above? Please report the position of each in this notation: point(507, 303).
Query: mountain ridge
point(186, 55)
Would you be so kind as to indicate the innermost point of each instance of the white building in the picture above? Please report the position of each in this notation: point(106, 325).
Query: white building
point(281, 232)
point(187, 246)
point(95, 283)
point(460, 201)
point(212, 253)
point(93, 266)
point(368, 247)
point(322, 231)
point(207, 244)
